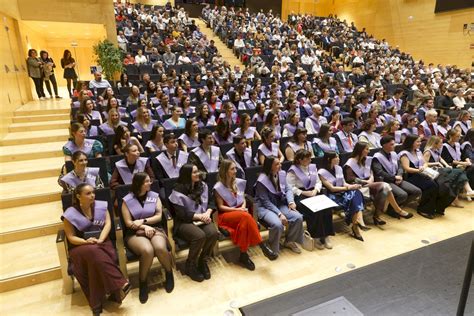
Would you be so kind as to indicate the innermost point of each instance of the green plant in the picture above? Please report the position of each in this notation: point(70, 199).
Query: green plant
point(109, 57)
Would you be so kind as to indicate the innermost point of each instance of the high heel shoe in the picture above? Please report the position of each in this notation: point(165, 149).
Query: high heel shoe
point(364, 228)
point(355, 235)
point(379, 222)
point(405, 215)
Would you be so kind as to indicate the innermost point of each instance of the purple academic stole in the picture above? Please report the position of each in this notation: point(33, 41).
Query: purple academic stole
point(454, 152)
point(292, 128)
point(230, 199)
point(308, 109)
point(258, 118)
point(391, 166)
point(316, 123)
point(190, 142)
point(180, 199)
point(308, 181)
point(417, 160)
point(251, 105)
point(211, 164)
point(249, 133)
point(267, 183)
point(82, 223)
point(345, 140)
point(465, 126)
point(86, 147)
point(151, 144)
point(247, 157)
point(167, 163)
point(408, 131)
point(221, 141)
point(160, 111)
point(169, 125)
point(374, 138)
point(443, 131)
point(466, 143)
point(210, 122)
point(435, 155)
point(324, 146)
point(362, 172)
point(106, 129)
point(398, 137)
point(426, 129)
point(295, 147)
point(124, 171)
point(137, 210)
point(338, 180)
point(74, 181)
point(267, 152)
point(142, 129)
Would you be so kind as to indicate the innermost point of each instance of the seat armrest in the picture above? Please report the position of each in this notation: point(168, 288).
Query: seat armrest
point(120, 245)
point(169, 232)
point(63, 255)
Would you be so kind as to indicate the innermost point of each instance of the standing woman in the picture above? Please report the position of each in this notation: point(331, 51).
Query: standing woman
point(234, 216)
point(304, 181)
point(345, 195)
point(48, 71)
point(358, 170)
point(193, 221)
point(68, 63)
point(276, 207)
point(142, 214)
point(78, 141)
point(87, 226)
point(35, 71)
point(80, 174)
point(432, 201)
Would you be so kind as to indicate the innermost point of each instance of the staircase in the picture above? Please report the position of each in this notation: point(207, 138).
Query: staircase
point(30, 162)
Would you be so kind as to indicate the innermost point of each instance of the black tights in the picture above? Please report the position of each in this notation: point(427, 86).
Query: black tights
point(74, 84)
point(52, 78)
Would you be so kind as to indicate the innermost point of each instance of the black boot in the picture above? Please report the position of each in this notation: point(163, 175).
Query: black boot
point(268, 252)
point(169, 282)
point(204, 268)
point(143, 292)
point(96, 311)
point(246, 262)
point(193, 273)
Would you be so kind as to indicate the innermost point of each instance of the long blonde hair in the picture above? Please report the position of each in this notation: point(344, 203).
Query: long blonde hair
point(140, 118)
point(223, 177)
point(432, 141)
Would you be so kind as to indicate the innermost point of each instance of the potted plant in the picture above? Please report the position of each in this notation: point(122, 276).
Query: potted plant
point(109, 57)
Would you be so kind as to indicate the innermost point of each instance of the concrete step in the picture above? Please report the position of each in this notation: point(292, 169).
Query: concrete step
point(38, 126)
point(22, 138)
point(40, 118)
point(30, 169)
point(29, 192)
point(53, 110)
point(30, 221)
point(31, 151)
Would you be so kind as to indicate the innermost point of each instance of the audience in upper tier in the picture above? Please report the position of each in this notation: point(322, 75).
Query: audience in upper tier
point(320, 108)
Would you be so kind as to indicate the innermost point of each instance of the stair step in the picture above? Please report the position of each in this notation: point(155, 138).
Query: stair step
point(40, 118)
point(21, 138)
point(30, 169)
point(27, 192)
point(26, 112)
point(29, 221)
point(31, 151)
point(38, 126)
point(28, 256)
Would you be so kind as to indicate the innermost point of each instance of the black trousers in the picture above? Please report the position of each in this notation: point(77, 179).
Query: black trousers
point(74, 84)
point(52, 78)
point(201, 239)
point(319, 224)
point(39, 87)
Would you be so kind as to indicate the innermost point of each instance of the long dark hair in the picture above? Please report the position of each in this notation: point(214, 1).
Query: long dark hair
point(328, 156)
point(137, 183)
point(469, 136)
point(267, 165)
point(67, 58)
point(409, 141)
point(357, 152)
point(184, 184)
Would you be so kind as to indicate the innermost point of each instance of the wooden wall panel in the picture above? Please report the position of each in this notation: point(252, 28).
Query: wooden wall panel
point(410, 24)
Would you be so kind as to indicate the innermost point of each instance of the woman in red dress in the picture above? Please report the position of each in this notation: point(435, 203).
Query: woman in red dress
point(229, 193)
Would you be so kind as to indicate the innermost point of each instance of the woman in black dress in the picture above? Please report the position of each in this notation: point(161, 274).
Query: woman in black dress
point(68, 63)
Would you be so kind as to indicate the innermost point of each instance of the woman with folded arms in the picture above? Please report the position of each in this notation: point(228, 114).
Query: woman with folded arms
point(78, 141)
point(93, 258)
point(193, 221)
point(142, 214)
point(345, 195)
point(358, 170)
point(80, 174)
point(432, 201)
point(304, 181)
point(234, 216)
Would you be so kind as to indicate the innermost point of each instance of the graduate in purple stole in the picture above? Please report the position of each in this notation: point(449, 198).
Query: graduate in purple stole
point(92, 255)
point(234, 216)
point(345, 195)
point(313, 123)
point(294, 122)
point(167, 164)
point(91, 147)
point(298, 141)
point(143, 123)
point(189, 139)
point(304, 181)
point(246, 130)
point(127, 167)
point(368, 134)
point(345, 139)
point(142, 213)
point(223, 134)
point(358, 170)
point(206, 157)
point(433, 200)
point(80, 174)
point(241, 155)
point(276, 207)
point(193, 221)
point(268, 147)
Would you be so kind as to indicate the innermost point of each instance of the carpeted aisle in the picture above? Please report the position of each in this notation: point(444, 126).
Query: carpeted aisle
point(426, 281)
